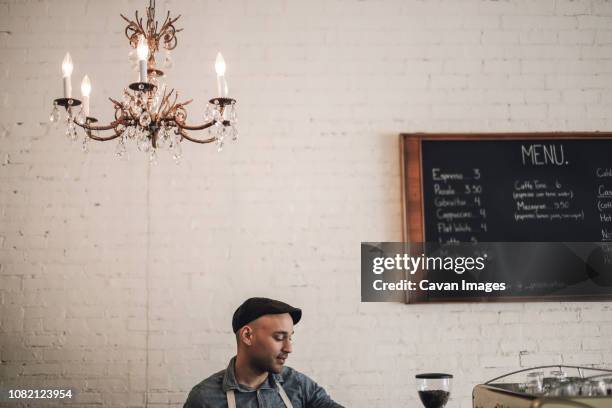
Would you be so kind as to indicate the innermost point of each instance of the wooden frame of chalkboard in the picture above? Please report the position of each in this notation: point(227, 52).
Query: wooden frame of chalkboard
point(414, 206)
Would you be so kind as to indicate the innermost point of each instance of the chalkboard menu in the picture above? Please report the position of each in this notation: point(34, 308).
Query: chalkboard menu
point(509, 188)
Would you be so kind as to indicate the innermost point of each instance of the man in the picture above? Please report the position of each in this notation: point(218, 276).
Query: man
point(256, 376)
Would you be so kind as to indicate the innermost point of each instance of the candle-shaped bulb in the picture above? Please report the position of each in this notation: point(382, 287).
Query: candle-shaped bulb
point(142, 49)
point(221, 81)
point(220, 65)
point(67, 65)
point(66, 73)
point(86, 86)
point(86, 91)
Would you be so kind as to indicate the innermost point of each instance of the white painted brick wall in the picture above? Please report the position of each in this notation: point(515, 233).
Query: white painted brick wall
point(119, 280)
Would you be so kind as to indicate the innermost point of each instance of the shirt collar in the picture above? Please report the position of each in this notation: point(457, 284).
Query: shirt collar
point(230, 383)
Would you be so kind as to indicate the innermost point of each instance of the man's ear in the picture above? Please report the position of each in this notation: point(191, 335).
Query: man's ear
point(246, 335)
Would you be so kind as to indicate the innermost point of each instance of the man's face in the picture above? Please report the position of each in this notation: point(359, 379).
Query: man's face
point(270, 343)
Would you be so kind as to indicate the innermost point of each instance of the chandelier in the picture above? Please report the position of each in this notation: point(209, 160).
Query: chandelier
point(148, 113)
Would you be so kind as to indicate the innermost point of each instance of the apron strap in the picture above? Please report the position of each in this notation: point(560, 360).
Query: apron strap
point(283, 395)
point(231, 398)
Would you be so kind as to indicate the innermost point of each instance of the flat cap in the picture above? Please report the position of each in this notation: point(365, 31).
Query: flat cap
point(255, 307)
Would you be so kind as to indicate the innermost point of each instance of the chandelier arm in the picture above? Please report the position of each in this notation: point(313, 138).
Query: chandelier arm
point(172, 107)
point(180, 106)
point(102, 139)
point(110, 126)
point(191, 139)
point(165, 24)
point(89, 128)
point(168, 35)
point(116, 103)
point(164, 101)
point(173, 43)
point(94, 127)
point(194, 127)
point(169, 22)
point(166, 19)
point(139, 23)
point(121, 120)
point(131, 26)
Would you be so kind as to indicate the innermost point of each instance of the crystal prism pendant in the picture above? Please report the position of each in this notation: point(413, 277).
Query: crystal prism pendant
point(212, 113)
point(71, 132)
point(177, 151)
point(168, 63)
point(145, 119)
point(80, 117)
point(132, 57)
point(131, 132)
point(216, 130)
point(220, 136)
point(153, 157)
point(208, 112)
point(234, 133)
point(230, 114)
point(142, 142)
point(163, 139)
point(127, 99)
point(120, 149)
point(54, 117)
point(137, 110)
point(216, 113)
point(85, 145)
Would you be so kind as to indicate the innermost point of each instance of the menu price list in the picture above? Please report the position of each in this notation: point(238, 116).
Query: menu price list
point(459, 209)
point(517, 191)
point(542, 199)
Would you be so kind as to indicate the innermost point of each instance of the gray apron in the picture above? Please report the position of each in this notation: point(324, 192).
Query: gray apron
point(231, 398)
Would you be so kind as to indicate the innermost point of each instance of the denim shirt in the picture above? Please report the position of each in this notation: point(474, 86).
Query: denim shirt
point(302, 391)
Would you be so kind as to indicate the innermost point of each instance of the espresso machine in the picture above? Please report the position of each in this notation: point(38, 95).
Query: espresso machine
point(556, 386)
